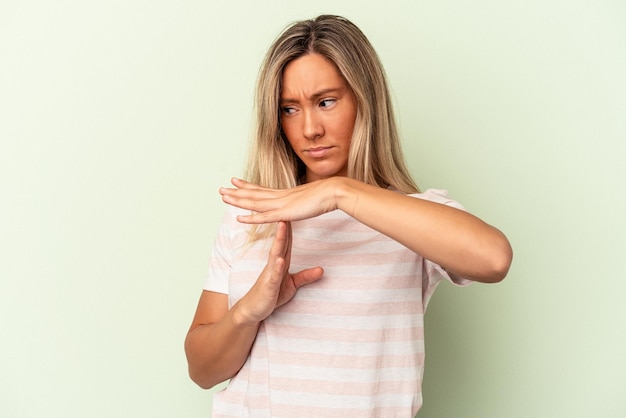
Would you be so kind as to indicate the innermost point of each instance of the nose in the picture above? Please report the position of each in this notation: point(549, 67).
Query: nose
point(313, 127)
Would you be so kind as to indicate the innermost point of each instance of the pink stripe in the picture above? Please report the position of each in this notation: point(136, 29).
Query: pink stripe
point(288, 411)
point(350, 309)
point(238, 399)
point(369, 283)
point(321, 245)
point(394, 387)
point(347, 362)
point(327, 223)
point(347, 259)
point(347, 335)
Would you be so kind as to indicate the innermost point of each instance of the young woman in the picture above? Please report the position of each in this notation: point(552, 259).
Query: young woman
point(328, 254)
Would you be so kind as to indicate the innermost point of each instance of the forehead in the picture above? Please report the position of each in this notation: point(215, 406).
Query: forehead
point(309, 74)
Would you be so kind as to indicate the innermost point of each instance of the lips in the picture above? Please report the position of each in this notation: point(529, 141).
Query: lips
point(318, 152)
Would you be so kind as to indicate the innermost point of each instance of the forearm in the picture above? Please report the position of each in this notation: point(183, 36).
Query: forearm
point(220, 339)
point(456, 240)
point(216, 352)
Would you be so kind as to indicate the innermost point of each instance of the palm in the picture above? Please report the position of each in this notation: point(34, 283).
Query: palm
point(272, 205)
point(276, 286)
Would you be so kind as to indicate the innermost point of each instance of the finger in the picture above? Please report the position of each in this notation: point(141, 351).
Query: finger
point(237, 182)
point(280, 244)
point(253, 194)
point(250, 190)
point(307, 276)
point(256, 202)
point(268, 290)
point(278, 273)
point(286, 239)
point(260, 218)
point(277, 252)
point(242, 184)
point(289, 240)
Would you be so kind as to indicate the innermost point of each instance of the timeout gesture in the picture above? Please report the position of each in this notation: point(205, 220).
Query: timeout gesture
point(275, 285)
point(273, 205)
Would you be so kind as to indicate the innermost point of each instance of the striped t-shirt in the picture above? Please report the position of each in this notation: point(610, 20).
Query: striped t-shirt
point(350, 344)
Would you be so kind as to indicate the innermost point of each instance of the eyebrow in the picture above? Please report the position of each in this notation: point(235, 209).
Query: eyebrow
point(314, 96)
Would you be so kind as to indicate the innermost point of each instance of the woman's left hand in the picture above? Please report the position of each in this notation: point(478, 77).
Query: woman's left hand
point(273, 205)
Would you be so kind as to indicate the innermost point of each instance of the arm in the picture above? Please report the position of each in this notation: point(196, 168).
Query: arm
point(219, 339)
point(456, 240)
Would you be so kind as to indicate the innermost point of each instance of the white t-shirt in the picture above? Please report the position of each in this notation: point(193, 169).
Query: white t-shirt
point(350, 344)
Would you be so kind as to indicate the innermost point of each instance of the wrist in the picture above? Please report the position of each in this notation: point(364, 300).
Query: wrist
point(347, 193)
point(241, 316)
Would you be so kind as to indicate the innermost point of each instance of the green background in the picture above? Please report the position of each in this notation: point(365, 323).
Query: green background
point(119, 120)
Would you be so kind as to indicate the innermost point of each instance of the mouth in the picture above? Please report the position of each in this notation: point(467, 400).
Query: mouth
point(318, 152)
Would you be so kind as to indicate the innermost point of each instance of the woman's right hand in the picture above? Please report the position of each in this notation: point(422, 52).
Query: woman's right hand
point(275, 286)
point(219, 339)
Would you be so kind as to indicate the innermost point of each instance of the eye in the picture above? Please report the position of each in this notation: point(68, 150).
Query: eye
point(327, 102)
point(288, 110)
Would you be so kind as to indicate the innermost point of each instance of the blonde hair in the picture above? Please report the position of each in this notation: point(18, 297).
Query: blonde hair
point(375, 153)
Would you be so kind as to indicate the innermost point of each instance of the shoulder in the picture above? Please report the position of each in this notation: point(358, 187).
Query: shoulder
point(231, 213)
point(438, 196)
point(230, 229)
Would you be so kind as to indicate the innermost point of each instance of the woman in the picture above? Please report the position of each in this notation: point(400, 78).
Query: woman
point(328, 254)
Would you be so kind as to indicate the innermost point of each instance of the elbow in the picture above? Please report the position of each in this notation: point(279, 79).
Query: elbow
point(491, 260)
point(206, 380)
point(203, 376)
point(199, 372)
point(499, 262)
point(202, 379)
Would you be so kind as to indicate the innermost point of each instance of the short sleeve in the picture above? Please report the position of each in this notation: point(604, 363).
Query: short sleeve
point(221, 257)
point(433, 273)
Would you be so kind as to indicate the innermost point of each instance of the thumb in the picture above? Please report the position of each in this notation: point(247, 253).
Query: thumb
point(307, 276)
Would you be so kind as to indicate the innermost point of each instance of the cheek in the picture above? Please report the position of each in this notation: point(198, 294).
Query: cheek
point(347, 128)
point(289, 134)
point(287, 130)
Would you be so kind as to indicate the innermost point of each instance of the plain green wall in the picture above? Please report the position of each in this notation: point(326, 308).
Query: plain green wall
point(120, 119)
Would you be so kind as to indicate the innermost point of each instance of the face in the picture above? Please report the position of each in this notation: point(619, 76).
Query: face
point(318, 111)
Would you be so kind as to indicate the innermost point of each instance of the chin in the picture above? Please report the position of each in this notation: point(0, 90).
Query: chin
point(320, 175)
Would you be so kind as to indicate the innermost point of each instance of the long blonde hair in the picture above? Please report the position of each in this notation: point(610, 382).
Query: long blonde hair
point(375, 153)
